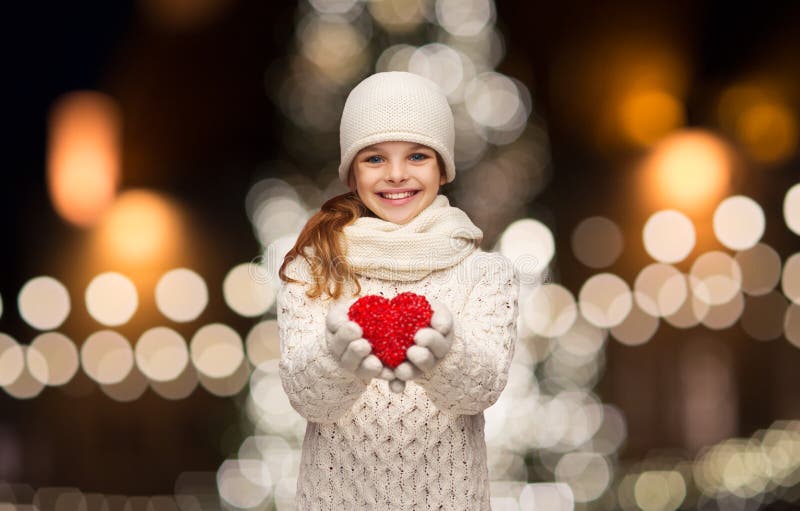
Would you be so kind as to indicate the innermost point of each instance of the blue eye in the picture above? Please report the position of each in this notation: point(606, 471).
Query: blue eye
point(374, 159)
point(418, 156)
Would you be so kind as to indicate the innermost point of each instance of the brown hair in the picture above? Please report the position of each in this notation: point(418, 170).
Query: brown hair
point(322, 233)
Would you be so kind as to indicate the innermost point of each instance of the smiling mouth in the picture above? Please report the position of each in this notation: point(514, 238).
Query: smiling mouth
point(404, 195)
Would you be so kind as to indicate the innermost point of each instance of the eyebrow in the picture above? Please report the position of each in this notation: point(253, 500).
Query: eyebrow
point(374, 147)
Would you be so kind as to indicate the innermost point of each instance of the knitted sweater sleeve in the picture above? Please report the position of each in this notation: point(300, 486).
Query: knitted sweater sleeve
point(474, 372)
point(317, 387)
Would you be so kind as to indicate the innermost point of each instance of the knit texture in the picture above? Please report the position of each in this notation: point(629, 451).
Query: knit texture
point(396, 106)
point(368, 448)
point(438, 237)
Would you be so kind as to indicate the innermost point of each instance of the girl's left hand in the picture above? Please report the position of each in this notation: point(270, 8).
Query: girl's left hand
point(431, 344)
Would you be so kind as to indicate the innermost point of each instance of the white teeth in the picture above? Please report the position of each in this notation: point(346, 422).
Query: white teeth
point(397, 195)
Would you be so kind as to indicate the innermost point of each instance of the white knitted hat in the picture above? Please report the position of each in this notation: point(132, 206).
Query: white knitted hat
point(396, 106)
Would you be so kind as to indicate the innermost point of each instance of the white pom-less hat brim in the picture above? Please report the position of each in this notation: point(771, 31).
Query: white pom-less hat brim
point(399, 136)
point(396, 106)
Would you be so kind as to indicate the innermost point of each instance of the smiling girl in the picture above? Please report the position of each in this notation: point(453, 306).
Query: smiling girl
point(412, 436)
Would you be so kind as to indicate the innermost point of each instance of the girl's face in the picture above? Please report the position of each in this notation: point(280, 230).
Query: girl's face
point(396, 168)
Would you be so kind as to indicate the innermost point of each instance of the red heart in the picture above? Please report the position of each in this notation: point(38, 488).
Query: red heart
point(390, 325)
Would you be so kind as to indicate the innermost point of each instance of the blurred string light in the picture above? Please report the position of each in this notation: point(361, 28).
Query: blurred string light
point(597, 242)
point(181, 295)
point(739, 222)
point(632, 96)
point(142, 228)
point(248, 290)
point(790, 279)
point(689, 170)
point(83, 159)
point(111, 299)
point(52, 358)
point(760, 118)
point(669, 236)
point(12, 359)
point(791, 209)
point(44, 303)
point(161, 354)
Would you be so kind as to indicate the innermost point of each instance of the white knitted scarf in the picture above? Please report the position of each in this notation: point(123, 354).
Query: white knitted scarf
point(439, 237)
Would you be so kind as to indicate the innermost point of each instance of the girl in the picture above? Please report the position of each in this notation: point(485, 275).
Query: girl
point(411, 437)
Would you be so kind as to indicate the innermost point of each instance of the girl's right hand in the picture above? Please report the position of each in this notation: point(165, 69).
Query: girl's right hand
point(349, 348)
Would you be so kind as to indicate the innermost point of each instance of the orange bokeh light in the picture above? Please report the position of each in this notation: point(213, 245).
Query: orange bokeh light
point(83, 160)
point(647, 116)
point(689, 170)
point(142, 229)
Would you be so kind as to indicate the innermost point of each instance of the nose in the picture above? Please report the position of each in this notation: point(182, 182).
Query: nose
point(397, 171)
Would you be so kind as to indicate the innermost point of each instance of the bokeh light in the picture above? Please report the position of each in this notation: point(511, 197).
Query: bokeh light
point(605, 300)
point(130, 388)
point(247, 291)
point(52, 358)
point(181, 295)
point(660, 289)
point(791, 325)
point(717, 277)
point(688, 170)
point(669, 236)
point(550, 496)
point(180, 387)
point(465, 17)
point(763, 316)
point(529, 245)
point(24, 386)
point(597, 242)
point(111, 299)
point(724, 315)
point(761, 121)
point(161, 354)
point(790, 279)
point(216, 350)
point(141, 227)
point(398, 16)
point(791, 209)
point(12, 359)
point(659, 490)
point(549, 310)
point(263, 343)
point(107, 357)
point(739, 222)
point(83, 159)
point(693, 310)
point(637, 328)
point(588, 474)
point(227, 385)
point(244, 484)
point(334, 46)
point(648, 115)
point(43, 303)
point(761, 269)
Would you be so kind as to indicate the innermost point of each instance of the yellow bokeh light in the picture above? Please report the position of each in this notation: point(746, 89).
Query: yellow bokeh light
point(649, 115)
point(768, 131)
point(688, 170)
point(757, 115)
point(141, 228)
point(83, 158)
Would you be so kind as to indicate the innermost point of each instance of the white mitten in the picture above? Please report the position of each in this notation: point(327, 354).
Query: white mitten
point(431, 344)
point(349, 348)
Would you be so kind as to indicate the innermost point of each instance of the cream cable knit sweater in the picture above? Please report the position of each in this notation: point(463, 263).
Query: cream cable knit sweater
point(368, 448)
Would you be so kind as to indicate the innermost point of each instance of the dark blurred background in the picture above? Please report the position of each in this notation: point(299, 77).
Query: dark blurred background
point(205, 105)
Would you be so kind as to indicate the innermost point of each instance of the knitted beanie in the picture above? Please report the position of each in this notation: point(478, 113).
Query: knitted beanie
point(396, 106)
